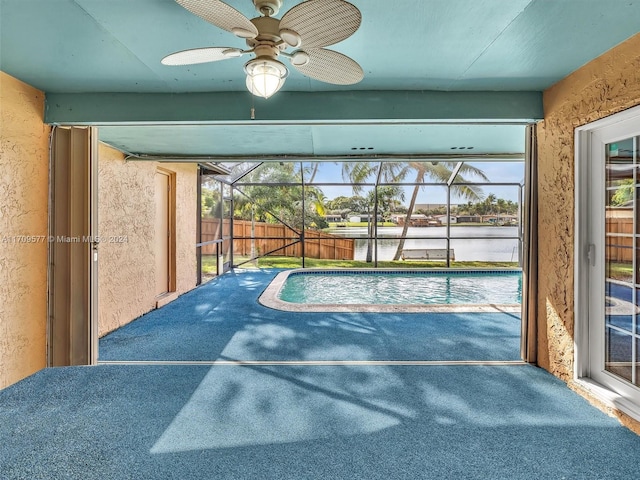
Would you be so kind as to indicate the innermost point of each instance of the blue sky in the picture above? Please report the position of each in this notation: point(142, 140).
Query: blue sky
point(503, 172)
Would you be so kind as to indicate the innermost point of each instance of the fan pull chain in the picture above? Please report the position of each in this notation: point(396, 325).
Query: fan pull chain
point(253, 107)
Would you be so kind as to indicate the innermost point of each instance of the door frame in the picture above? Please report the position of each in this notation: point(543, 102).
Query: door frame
point(589, 259)
point(72, 270)
point(171, 210)
point(529, 250)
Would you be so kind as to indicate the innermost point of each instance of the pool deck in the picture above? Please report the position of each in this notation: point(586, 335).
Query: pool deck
point(223, 321)
point(214, 385)
point(270, 299)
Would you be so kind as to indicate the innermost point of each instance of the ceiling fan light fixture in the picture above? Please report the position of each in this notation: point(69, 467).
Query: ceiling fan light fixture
point(265, 76)
point(307, 27)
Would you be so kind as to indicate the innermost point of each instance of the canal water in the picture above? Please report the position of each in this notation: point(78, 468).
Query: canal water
point(497, 248)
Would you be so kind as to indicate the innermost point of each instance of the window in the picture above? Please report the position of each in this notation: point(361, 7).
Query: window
point(608, 258)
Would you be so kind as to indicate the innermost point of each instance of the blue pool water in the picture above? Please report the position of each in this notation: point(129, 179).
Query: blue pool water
point(367, 287)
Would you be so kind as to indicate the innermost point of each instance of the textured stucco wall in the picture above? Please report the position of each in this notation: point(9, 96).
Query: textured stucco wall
point(126, 270)
point(186, 225)
point(607, 85)
point(24, 180)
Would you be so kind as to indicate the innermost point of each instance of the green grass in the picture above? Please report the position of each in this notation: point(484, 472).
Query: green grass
point(621, 271)
point(391, 224)
point(209, 264)
point(296, 262)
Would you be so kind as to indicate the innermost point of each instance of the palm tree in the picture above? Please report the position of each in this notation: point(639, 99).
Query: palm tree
point(502, 207)
point(317, 199)
point(313, 169)
point(469, 207)
point(361, 172)
point(388, 197)
point(440, 172)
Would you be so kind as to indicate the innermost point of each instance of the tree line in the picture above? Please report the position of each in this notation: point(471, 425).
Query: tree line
point(274, 193)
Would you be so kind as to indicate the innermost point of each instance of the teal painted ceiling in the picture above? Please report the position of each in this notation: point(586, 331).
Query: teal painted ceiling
point(369, 139)
point(115, 46)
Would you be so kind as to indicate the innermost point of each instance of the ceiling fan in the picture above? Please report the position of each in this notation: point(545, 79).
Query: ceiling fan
point(307, 28)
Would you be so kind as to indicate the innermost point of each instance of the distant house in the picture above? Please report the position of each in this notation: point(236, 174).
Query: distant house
point(333, 218)
point(363, 217)
point(434, 206)
point(399, 218)
point(500, 219)
point(469, 219)
point(443, 219)
point(418, 220)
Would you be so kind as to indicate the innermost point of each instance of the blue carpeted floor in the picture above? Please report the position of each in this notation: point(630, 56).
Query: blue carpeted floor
point(223, 319)
point(305, 422)
point(293, 422)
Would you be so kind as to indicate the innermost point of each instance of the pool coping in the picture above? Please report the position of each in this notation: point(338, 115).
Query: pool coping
point(269, 297)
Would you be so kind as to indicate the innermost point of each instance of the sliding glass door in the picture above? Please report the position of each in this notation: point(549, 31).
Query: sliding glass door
point(614, 257)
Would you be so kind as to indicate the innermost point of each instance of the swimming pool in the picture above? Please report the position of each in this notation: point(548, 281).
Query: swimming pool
point(395, 290)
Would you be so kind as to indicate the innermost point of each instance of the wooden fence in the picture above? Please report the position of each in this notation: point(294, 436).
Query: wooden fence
point(274, 238)
point(619, 248)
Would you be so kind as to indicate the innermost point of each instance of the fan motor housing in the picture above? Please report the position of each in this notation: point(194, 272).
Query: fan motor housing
point(268, 7)
point(269, 31)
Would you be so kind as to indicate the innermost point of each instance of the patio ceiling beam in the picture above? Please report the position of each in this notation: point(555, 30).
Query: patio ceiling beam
point(339, 106)
point(213, 167)
point(391, 157)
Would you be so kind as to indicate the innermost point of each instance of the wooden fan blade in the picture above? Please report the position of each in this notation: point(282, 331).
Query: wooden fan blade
point(331, 67)
point(201, 55)
point(221, 15)
point(322, 22)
